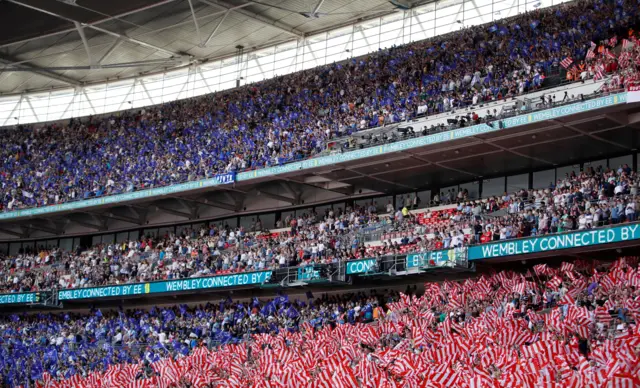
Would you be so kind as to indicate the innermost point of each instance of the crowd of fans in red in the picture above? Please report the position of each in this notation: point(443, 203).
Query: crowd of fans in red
point(572, 326)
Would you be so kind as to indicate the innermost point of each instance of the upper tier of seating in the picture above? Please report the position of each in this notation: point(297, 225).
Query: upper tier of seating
point(298, 115)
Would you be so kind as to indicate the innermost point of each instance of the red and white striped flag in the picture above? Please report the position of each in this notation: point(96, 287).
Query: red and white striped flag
point(626, 44)
point(590, 54)
point(613, 41)
point(567, 267)
point(598, 73)
point(609, 54)
point(554, 283)
point(624, 60)
point(566, 62)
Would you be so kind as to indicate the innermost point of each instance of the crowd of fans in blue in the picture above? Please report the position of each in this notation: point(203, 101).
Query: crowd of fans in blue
point(266, 124)
point(67, 344)
point(297, 115)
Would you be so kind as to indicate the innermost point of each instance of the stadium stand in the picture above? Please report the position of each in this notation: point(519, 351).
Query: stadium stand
point(573, 326)
point(296, 116)
point(593, 198)
point(65, 322)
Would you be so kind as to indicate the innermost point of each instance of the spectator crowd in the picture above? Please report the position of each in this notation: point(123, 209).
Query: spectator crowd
point(575, 325)
point(297, 115)
point(595, 197)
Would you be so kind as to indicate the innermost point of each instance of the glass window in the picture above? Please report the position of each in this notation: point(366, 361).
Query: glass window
point(597, 163)
point(108, 238)
point(543, 179)
point(29, 247)
point(473, 188)
point(306, 210)
point(122, 237)
point(66, 244)
point(494, 186)
point(563, 172)
point(166, 231)
point(52, 244)
point(358, 39)
point(14, 248)
point(615, 163)
point(268, 220)
point(150, 233)
point(517, 182)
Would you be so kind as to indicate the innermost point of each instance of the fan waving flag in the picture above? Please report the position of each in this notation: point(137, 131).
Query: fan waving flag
point(566, 62)
point(609, 54)
point(598, 73)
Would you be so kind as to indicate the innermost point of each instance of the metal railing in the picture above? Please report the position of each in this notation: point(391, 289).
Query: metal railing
point(345, 146)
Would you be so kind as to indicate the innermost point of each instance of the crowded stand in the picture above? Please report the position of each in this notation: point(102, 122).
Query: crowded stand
point(574, 325)
point(595, 197)
point(298, 115)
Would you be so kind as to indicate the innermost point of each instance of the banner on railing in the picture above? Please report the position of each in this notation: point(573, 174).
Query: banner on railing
point(360, 266)
point(633, 94)
point(182, 285)
point(431, 259)
point(223, 179)
point(583, 238)
point(566, 110)
point(329, 160)
point(26, 297)
point(308, 272)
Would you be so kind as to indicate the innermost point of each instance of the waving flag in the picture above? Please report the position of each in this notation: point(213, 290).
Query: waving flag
point(609, 54)
point(566, 62)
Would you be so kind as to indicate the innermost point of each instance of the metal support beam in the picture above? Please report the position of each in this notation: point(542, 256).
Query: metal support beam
point(40, 227)
point(591, 135)
point(317, 7)
point(41, 72)
point(13, 233)
point(113, 216)
point(508, 150)
point(96, 28)
point(290, 190)
point(144, 87)
point(217, 27)
point(277, 197)
point(31, 107)
point(214, 203)
point(238, 198)
point(99, 226)
point(439, 165)
point(204, 80)
point(141, 212)
point(85, 42)
point(195, 21)
point(89, 101)
point(256, 17)
point(114, 17)
point(113, 48)
point(192, 206)
point(174, 212)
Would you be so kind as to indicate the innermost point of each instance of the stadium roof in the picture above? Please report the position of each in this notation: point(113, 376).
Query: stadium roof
point(58, 43)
